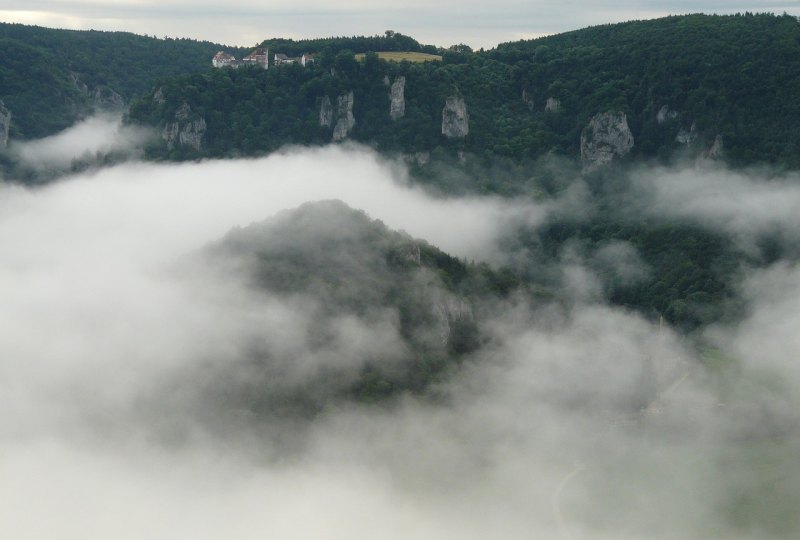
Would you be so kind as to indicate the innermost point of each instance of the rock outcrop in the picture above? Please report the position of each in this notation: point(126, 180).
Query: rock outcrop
point(410, 253)
point(552, 105)
point(716, 150)
point(450, 311)
point(397, 100)
point(687, 137)
point(5, 124)
point(344, 117)
point(455, 118)
point(340, 118)
point(417, 158)
point(159, 97)
point(665, 114)
point(607, 137)
point(326, 112)
point(188, 129)
point(79, 84)
point(527, 98)
point(107, 99)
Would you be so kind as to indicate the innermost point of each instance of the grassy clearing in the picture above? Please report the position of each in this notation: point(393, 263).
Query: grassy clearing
point(393, 56)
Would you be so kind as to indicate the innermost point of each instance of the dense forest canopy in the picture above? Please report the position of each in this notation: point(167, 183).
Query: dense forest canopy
point(48, 76)
point(682, 82)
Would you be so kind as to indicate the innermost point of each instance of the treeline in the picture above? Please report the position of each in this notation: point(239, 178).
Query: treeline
point(390, 41)
point(48, 76)
point(737, 77)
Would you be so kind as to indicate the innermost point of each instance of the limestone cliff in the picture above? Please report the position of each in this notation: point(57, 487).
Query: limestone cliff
point(158, 96)
point(552, 105)
point(716, 150)
point(5, 124)
point(397, 100)
point(326, 112)
point(344, 117)
point(687, 137)
point(417, 158)
point(450, 311)
point(607, 137)
point(188, 129)
point(340, 118)
point(79, 84)
point(527, 98)
point(665, 114)
point(106, 98)
point(455, 118)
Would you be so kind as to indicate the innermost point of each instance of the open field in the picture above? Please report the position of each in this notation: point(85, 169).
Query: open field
point(395, 56)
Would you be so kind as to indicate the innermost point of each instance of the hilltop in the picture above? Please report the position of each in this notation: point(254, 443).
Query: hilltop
point(342, 265)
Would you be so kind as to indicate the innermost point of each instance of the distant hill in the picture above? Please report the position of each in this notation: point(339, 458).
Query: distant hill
point(724, 86)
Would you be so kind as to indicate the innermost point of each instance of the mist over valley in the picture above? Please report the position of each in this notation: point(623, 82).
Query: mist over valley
point(539, 329)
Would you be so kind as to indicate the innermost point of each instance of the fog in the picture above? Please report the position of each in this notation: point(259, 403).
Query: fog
point(96, 135)
point(574, 420)
point(744, 204)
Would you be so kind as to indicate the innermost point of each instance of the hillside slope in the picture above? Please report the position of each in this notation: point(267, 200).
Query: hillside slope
point(345, 272)
point(49, 78)
point(724, 86)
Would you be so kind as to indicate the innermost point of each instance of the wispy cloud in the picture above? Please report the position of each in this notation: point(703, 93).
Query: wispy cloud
point(580, 420)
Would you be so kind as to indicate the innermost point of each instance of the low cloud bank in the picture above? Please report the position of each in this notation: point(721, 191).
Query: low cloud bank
point(747, 205)
point(86, 141)
point(583, 422)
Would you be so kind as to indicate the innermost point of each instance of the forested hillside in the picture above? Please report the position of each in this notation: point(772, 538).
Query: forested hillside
point(347, 265)
point(49, 78)
point(682, 83)
point(523, 120)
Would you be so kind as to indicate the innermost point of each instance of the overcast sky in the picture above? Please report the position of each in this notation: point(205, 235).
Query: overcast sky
point(444, 22)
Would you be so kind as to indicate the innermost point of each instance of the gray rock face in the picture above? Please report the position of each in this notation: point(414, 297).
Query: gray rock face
point(5, 124)
point(410, 252)
point(455, 118)
point(450, 311)
point(606, 138)
point(159, 97)
point(552, 105)
point(340, 118)
point(527, 98)
point(187, 129)
point(76, 81)
point(687, 137)
point(716, 150)
point(107, 99)
point(397, 100)
point(326, 112)
point(344, 117)
point(418, 158)
point(665, 114)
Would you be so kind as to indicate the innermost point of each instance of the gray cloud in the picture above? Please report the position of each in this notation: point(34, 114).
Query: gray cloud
point(246, 23)
point(91, 138)
point(747, 205)
point(579, 422)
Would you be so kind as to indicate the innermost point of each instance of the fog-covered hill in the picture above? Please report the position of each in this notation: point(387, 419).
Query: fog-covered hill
point(422, 308)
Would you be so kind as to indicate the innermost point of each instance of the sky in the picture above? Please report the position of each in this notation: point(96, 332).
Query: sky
point(443, 23)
